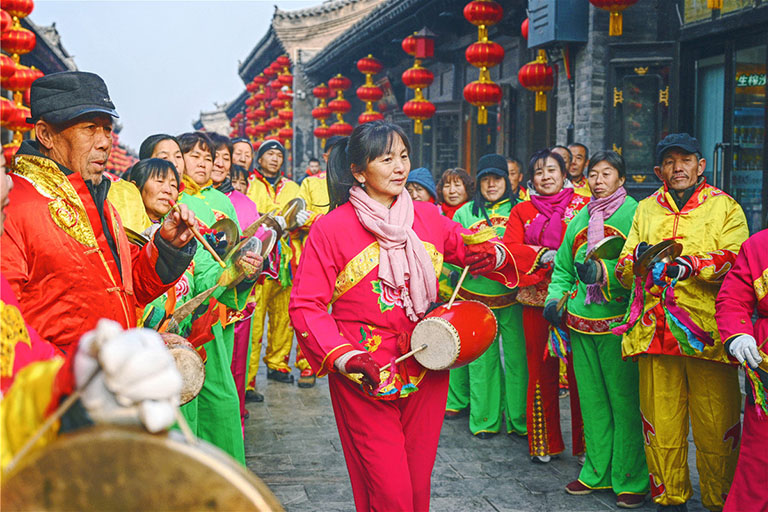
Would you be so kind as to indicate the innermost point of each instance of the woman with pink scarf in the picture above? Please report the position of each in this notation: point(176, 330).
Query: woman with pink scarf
point(607, 384)
point(375, 258)
point(534, 233)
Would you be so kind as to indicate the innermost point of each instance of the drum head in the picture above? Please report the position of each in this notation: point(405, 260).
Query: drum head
point(109, 468)
point(189, 363)
point(442, 340)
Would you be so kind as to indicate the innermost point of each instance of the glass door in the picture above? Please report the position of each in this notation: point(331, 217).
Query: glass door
point(709, 111)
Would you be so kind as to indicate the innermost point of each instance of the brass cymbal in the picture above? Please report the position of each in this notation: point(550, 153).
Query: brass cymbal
point(291, 210)
point(664, 251)
point(230, 230)
point(136, 238)
point(608, 248)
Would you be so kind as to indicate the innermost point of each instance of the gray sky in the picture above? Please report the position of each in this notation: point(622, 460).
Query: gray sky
point(163, 62)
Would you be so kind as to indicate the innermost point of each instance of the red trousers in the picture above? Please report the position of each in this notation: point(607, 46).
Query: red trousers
point(390, 445)
point(749, 490)
point(543, 407)
point(240, 356)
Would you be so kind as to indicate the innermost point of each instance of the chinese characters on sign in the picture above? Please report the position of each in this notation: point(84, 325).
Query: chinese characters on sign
point(750, 80)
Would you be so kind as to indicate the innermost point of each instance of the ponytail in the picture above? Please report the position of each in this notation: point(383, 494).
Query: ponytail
point(340, 179)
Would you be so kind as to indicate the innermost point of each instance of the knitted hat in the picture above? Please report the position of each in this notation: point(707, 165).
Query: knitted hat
point(492, 164)
point(267, 145)
point(423, 177)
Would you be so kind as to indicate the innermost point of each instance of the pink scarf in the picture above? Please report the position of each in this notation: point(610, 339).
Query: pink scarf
point(404, 264)
point(546, 229)
point(599, 210)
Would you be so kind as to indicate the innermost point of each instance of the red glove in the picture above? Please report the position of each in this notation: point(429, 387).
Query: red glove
point(481, 258)
point(364, 363)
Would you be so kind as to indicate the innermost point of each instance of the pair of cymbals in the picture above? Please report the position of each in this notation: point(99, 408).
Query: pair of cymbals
point(663, 252)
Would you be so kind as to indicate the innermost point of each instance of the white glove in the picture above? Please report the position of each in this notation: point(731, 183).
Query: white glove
point(302, 217)
point(280, 221)
point(548, 256)
point(137, 370)
point(744, 348)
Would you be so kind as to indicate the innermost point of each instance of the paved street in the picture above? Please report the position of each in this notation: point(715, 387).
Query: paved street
point(292, 444)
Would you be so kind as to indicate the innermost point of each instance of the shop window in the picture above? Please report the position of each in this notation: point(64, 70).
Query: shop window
point(697, 10)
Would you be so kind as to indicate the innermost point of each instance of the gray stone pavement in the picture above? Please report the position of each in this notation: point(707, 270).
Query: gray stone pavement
point(292, 444)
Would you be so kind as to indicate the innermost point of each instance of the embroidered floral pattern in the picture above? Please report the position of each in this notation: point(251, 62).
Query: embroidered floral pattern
point(369, 340)
point(388, 297)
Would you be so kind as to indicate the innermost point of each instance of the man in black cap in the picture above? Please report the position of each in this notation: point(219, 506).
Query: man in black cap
point(64, 250)
point(270, 190)
point(671, 327)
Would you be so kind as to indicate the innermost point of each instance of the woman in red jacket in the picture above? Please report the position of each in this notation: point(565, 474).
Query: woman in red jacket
point(534, 232)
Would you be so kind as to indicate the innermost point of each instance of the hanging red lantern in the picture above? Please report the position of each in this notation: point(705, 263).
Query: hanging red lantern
point(524, 29)
point(7, 111)
point(418, 77)
point(250, 101)
point(339, 106)
point(269, 72)
point(252, 87)
point(425, 44)
point(409, 45)
point(483, 54)
point(322, 92)
point(251, 115)
point(286, 79)
point(260, 79)
point(322, 132)
point(285, 95)
point(22, 79)
point(286, 134)
point(17, 40)
point(367, 117)
point(259, 113)
point(339, 83)
point(341, 128)
point(369, 93)
point(283, 61)
point(286, 115)
point(369, 65)
point(18, 122)
point(277, 104)
point(9, 150)
point(18, 8)
point(615, 23)
point(321, 112)
point(7, 68)
point(538, 76)
point(5, 21)
point(275, 84)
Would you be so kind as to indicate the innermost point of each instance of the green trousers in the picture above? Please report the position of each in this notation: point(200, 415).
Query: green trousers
point(487, 388)
point(610, 406)
point(218, 405)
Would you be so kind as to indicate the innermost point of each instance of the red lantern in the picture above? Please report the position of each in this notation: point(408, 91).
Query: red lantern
point(261, 129)
point(369, 65)
point(537, 76)
point(321, 112)
point(260, 96)
point(425, 44)
point(250, 101)
point(7, 111)
point(286, 115)
point(285, 95)
point(483, 12)
point(18, 121)
point(17, 40)
point(484, 54)
point(322, 132)
point(286, 134)
point(9, 150)
point(269, 72)
point(283, 61)
point(342, 129)
point(22, 79)
point(277, 104)
point(321, 92)
point(251, 115)
point(524, 29)
point(367, 117)
point(252, 87)
point(369, 93)
point(5, 21)
point(18, 8)
point(7, 68)
point(339, 106)
point(482, 95)
point(273, 123)
point(419, 110)
point(339, 83)
point(276, 85)
point(286, 79)
point(615, 24)
point(409, 45)
point(260, 79)
point(418, 77)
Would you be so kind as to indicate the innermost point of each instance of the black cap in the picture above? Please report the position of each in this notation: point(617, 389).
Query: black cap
point(61, 97)
point(267, 145)
point(677, 140)
point(492, 164)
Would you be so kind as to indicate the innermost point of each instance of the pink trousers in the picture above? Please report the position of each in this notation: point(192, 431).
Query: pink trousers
point(390, 445)
point(240, 356)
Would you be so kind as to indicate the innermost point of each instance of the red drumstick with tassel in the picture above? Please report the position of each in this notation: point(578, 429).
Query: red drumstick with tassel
point(200, 238)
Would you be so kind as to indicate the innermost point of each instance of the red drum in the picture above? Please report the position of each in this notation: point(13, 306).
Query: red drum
point(454, 337)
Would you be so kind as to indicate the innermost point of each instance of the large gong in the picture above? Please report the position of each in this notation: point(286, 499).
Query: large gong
point(105, 468)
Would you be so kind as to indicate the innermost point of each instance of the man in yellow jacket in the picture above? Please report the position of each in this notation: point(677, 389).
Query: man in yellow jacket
point(270, 190)
point(670, 325)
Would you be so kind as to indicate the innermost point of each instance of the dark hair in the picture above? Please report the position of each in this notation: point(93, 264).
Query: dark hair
point(313, 159)
point(148, 168)
point(367, 142)
point(238, 171)
point(570, 155)
point(614, 159)
point(190, 140)
point(148, 146)
point(219, 141)
point(580, 145)
point(479, 202)
point(543, 154)
point(330, 141)
point(456, 172)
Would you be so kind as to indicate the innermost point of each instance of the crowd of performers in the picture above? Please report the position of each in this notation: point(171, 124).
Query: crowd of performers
point(646, 348)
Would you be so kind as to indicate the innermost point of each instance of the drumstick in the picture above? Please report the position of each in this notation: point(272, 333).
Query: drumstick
point(458, 285)
point(184, 427)
point(200, 238)
point(404, 357)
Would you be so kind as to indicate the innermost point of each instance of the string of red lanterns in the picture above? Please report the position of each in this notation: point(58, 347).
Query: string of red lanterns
point(420, 46)
point(322, 112)
point(339, 105)
point(537, 76)
point(368, 92)
point(615, 23)
point(483, 54)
